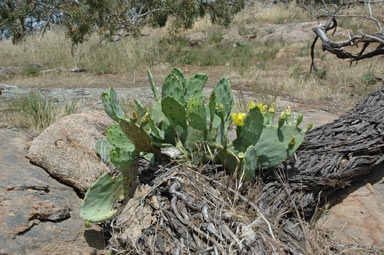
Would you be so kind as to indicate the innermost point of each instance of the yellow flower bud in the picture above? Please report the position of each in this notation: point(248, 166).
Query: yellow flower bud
point(288, 111)
point(292, 142)
point(264, 108)
point(220, 107)
point(272, 108)
point(146, 117)
point(309, 127)
point(87, 224)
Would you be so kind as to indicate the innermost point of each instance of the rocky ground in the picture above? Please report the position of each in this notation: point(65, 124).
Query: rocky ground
point(38, 214)
point(40, 204)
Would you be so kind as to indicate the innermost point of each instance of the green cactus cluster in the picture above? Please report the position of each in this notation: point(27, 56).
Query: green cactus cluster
point(259, 143)
point(181, 117)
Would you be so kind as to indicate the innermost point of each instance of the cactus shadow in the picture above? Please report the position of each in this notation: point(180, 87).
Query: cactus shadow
point(95, 238)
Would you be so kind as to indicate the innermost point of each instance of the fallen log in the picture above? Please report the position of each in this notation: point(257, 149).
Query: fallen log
point(331, 157)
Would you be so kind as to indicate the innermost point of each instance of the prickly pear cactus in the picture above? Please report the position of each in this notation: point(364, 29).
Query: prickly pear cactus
point(153, 86)
point(137, 135)
point(229, 159)
point(251, 163)
point(249, 132)
point(181, 118)
point(179, 74)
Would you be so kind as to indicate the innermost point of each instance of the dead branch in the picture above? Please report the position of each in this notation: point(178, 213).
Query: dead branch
point(339, 48)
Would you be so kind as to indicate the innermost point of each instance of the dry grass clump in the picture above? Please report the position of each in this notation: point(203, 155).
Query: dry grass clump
point(272, 14)
point(34, 111)
point(54, 51)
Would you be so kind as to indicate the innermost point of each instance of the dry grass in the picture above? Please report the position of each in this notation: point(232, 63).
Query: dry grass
point(254, 65)
point(274, 14)
point(34, 111)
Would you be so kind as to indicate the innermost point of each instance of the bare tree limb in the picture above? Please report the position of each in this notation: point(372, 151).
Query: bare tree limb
point(340, 48)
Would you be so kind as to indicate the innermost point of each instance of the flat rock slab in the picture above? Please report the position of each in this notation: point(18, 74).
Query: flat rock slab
point(358, 216)
point(67, 149)
point(38, 215)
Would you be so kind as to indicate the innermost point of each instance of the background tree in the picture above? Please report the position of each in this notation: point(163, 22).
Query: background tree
point(113, 19)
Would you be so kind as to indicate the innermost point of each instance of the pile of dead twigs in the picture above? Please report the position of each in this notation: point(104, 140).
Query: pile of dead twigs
point(189, 210)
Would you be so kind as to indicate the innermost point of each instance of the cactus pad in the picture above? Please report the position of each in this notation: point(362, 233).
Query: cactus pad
point(179, 74)
point(112, 105)
point(153, 86)
point(253, 126)
point(224, 96)
point(250, 163)
point(118, 138)
point(137, 135)
point(273, 145)
point(103, 148)
point(196, 113)
point(229, 160)
point(194, 86)
point(99, 199)
point(174, 111)
point(123, 158)
point(172, 86)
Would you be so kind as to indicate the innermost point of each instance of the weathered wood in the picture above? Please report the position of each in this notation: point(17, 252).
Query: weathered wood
point(331, 157)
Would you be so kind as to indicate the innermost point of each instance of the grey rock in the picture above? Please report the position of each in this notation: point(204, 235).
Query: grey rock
point(66, 149)
point(38, 215)
point(196, 39)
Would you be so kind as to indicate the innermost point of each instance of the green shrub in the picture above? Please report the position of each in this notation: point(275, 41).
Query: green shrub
point(368, 78)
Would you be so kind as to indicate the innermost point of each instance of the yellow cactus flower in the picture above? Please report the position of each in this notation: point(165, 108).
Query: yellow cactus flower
point(238, 118)
point(252, 105)
point(260, 105)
